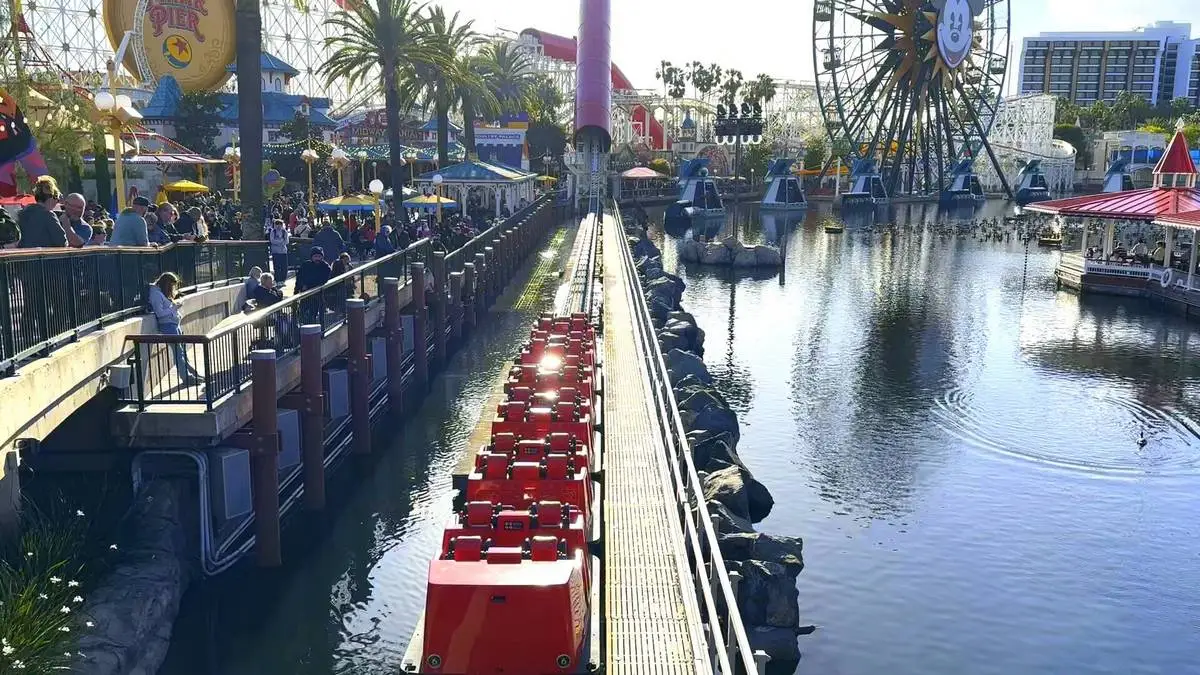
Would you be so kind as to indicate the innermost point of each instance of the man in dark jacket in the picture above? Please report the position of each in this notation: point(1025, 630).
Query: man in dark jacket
point(330, 241)
point(39, 227)
point(314, 272)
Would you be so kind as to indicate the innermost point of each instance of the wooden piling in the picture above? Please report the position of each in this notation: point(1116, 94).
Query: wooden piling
point(420, 355)
point(489, 253)
point(481, 290)
point(468, 297)
point(437, 308)
point(360, 375)
point(395, 342)
point(456, 307)
point(264, 458)
point(312, 414)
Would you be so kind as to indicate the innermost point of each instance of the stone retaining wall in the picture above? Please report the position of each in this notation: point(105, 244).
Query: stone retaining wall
point(768, 564)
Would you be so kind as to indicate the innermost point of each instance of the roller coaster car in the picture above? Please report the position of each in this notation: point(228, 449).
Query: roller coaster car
point(542, 379)
point(506, 610)
point(536, 449)
point(563, 324)
point(506, 526)
point(547, 399)
point(545, 350)
point(522, 420)
point(522, 484)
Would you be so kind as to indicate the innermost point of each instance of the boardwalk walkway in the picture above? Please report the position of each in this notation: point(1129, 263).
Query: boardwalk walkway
point(653, 622)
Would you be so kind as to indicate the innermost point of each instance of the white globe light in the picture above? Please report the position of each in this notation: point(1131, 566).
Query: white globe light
point(376, 186)
point(230, 153)
point(123, 102)
point(104, 101)
point(437, 179)
point(362, 154)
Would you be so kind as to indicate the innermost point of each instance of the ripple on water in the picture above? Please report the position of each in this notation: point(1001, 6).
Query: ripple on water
point(1171, 437)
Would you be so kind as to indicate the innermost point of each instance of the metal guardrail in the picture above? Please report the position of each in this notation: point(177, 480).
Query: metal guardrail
point(224, 353)
point(221, 357)
point(49, 296)
point(729, 648)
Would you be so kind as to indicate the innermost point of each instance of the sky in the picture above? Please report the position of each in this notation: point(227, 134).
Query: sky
point(775, 36)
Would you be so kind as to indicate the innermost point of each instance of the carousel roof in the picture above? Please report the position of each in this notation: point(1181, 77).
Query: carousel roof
point(1145, 204)
point(1190, 220)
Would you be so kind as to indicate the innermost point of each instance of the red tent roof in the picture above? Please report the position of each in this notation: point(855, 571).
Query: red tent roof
point(1176, 159)
point(1189, 219)
point(1144, 204)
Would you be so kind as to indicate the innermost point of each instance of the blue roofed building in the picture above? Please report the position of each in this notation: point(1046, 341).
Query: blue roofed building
point(279, 105)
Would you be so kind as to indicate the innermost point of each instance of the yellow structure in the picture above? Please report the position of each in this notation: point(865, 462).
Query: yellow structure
point(192, 40)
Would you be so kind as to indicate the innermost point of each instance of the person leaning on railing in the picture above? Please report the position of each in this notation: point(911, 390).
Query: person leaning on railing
point(130, 228)
point(165, 303)
point(39, 227)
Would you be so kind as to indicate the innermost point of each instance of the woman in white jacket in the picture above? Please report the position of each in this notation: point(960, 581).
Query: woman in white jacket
point(165, 303)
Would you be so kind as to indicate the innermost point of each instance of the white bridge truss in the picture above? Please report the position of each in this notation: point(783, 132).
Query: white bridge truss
point(1023, 131)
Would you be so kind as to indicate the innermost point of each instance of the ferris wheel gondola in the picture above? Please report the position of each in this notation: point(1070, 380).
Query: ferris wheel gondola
point(912, 84)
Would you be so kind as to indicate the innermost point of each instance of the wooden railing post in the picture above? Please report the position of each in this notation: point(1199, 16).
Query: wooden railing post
point(502, 259)
point(468, 302)
point(456, 306)
point(313, 417)
point(395, 342)
point(420, 355)
point(437, 308)
point(481, 289)
point(493, 285)
point(360, 375)
point(264, 458)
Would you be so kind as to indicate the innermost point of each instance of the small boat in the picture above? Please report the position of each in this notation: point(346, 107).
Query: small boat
point(1050, 240)
point(834, 227)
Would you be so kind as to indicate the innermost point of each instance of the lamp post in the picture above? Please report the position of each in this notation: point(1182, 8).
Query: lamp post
point(362, 168)
point(309, 156)
point(233, 157)
point(376, 188)
point(338, 159)
point(437, 194)
point(116, 110)
point(410, 158)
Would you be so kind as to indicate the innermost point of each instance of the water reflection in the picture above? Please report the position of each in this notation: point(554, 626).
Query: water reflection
point(957, 441)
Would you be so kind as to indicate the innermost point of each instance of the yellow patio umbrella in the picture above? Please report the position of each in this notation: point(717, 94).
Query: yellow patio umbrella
point(185, 186)
point(429, 201)
point(352, 203)
point(547, 179)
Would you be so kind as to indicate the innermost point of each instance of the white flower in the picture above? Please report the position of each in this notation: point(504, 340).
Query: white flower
point(112, 547)
point(64, 629)
point(77, 599)
point(67, 654)
point(65, 609)
point(78, 513)
point(73, 583)
point(90, 624)
point(18, 664)
point(42, 596)
point(55, 580)
point(28, 554)
point(7, 650)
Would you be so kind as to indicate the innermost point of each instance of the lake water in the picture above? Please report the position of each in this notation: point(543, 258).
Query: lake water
point(956, 441)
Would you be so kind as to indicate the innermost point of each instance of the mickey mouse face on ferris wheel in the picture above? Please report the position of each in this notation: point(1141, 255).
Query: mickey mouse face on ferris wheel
point(954, 29)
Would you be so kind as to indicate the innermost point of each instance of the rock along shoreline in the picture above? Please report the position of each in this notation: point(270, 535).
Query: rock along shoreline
point(767, 596)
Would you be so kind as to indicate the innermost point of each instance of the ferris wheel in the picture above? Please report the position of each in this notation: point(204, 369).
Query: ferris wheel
point(912, 84)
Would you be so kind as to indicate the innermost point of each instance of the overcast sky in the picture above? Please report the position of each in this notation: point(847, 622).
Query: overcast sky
point(774, 36)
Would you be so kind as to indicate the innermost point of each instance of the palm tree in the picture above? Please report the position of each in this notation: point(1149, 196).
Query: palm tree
point(372, 42)
point(474, 97)
point(437, 82)
point(248, 49)
point(504, 80)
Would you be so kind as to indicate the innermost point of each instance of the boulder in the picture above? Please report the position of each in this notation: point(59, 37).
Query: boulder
point(651, 268)
point(668, 341)
point(682, 316)
point(665, 288)
point(712, 413)
point(681, 364)
point(715, 254)
point(642, 248)
point(787, 551)
point(728, 487)
point(779, 644)
point(735, 487)
point(767, 594)
point(726, 521)
point(713, 449)
point(135, 605)
point(689, 250)
point(689, 332)
point(768, 256)
point(745, 258)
